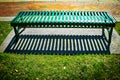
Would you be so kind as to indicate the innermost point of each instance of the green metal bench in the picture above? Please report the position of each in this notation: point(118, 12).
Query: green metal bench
point(63, 19)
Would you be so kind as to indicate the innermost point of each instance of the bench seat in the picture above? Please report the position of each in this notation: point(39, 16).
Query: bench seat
point(83, 19)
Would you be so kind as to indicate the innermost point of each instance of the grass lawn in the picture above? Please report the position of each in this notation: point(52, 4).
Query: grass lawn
point(5, 29)
point(57, 67)
point(117, 27)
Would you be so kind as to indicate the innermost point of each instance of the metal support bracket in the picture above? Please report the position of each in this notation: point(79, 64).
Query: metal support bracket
point(18, 31)
point(103, 32)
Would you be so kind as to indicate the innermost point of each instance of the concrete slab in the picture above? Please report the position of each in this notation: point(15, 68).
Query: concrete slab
point(6, 18)
point(115, 44)
point(6, 41)
point(117, 17)
point(114, 48)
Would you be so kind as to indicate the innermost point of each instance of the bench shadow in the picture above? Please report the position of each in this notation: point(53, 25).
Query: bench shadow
point(59, 44)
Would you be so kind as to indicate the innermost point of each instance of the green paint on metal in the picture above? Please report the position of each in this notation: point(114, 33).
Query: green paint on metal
point(83, 18)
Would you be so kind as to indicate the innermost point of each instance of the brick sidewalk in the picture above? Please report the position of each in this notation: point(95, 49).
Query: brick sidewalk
point(12, 8)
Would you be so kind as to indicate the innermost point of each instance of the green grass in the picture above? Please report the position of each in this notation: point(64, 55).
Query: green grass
point(56, 67)
point(59, 67)
point(5, 28)
point(117, 27)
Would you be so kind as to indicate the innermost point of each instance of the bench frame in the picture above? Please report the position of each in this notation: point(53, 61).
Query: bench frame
point(109, 27)
point(18, 31)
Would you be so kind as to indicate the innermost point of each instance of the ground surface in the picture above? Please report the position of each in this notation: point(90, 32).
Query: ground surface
point(57, 67)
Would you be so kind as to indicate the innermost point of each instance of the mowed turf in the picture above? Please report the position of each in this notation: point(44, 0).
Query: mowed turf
point(56, 67)
point(59, 67)
point(117, 27)
point(5, 29)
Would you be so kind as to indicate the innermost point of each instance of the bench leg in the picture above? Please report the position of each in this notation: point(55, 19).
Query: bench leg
point(110, 30)
point(103, 32)
point(16, 30)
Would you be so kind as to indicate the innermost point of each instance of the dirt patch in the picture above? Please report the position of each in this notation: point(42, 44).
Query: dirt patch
point(12, 8)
